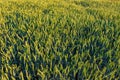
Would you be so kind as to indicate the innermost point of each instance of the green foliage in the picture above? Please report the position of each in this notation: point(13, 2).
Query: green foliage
point(59, 40)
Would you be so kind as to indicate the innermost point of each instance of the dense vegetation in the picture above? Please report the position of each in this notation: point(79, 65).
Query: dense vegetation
point(59, 40)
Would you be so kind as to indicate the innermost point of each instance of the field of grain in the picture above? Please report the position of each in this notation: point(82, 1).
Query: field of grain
point(59, 40)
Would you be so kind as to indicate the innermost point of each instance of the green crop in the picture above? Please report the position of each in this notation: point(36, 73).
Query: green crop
point(59, 40)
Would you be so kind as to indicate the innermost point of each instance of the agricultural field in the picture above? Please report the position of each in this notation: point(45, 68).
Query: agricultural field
point(59, 40)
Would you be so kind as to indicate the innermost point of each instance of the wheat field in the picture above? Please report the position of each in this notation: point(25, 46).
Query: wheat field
point(59, 40)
